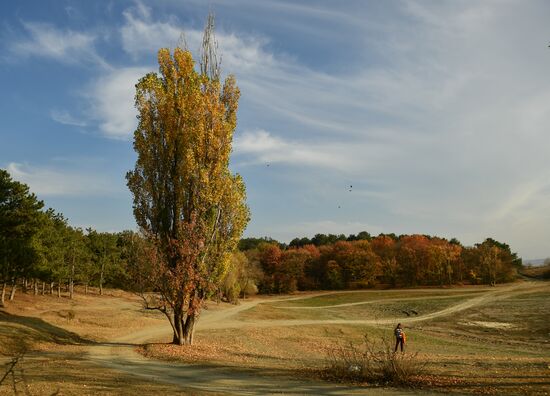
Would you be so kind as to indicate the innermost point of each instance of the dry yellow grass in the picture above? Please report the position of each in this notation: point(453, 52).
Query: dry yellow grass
point(494, 346)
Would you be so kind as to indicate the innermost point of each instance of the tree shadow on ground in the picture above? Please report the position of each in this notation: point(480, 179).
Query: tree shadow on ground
point(39, 330)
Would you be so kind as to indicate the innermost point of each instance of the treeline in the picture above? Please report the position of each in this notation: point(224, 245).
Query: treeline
point(361, 261)
point(41, 253)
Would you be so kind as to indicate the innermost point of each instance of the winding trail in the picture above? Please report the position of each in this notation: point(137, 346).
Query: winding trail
point(120, 354)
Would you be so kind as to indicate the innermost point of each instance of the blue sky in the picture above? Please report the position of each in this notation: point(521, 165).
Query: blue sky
point(436, 112)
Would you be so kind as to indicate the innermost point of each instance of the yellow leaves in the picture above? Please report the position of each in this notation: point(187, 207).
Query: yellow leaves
point(183, 190)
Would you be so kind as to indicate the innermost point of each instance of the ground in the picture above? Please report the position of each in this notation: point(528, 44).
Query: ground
point(474, 339)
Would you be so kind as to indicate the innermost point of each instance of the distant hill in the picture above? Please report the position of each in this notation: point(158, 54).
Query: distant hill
point(534, 261)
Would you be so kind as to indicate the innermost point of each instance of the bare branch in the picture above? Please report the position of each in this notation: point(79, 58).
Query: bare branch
point(210, 65)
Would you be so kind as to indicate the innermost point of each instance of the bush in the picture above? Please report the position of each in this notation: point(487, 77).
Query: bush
point(373, 362)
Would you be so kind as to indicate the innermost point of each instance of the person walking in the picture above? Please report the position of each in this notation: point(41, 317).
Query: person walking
point(399, 337)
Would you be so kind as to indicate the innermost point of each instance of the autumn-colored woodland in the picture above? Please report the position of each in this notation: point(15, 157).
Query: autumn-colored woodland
point(386, 260)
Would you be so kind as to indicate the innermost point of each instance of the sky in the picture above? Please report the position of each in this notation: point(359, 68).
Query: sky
point(435, 114)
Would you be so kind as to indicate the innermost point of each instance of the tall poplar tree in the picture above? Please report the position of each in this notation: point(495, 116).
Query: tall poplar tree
point(185, 198)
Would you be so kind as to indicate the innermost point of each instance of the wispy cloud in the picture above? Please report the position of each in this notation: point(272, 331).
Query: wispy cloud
point(67, 46)
point(64, 117)
point(261, 147)
point(438, 110)
point(62, 182)
point(112, 93)
point(141, 34)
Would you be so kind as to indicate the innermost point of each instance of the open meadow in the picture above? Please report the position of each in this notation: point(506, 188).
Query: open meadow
point(474, 339)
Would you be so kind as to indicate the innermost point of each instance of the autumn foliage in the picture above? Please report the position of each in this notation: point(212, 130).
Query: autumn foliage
point(389, 261)
point(187, 202)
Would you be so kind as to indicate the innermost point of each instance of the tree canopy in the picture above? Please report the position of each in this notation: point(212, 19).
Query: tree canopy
point(186, 199)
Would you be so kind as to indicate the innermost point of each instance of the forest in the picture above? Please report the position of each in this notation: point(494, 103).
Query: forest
point(42, 253)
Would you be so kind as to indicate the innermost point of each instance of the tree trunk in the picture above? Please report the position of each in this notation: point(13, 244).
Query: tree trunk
point(101, 278)
point(43, 287)
point(101, 274)
point(13, 288)
point(184, 330)
point(51, 288)
point(58, 289)
point(25, 285)
point(3, 294)
point(189, 329)
point(35, 286)
point(71, 280)
point(178, 330)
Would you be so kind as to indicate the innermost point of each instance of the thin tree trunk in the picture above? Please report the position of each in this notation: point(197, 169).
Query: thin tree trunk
point(102, 269)
point(25, 285)
point(71, 281)
point(3, 293)
point(43, 287)
point(58, 289)
point(101, 278)
point(13, 288)
point(51, 288)
point(35, 286)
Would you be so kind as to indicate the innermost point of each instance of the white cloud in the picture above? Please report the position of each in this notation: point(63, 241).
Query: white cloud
point(261, 147)
point(141, 34)
point(64, 117)
point(112, 99)
point(68, 46)
point(446, 105)
point(53, 182)
point(112, 94)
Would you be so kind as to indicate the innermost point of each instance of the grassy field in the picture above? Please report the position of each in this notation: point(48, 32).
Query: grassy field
point(365, 296)
point(53, 336)
point(472, 339)
point(497, 347)
point(377, 308)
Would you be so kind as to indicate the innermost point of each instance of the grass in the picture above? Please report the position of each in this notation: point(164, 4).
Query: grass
point(495, 348)
point(337, 298)
point(54, 334)
point(371, 309)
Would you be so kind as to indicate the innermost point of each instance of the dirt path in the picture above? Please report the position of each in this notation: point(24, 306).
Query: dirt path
point(121, 354)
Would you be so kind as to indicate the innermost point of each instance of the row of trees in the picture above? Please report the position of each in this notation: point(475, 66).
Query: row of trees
point(407, 260)
point(40, 251)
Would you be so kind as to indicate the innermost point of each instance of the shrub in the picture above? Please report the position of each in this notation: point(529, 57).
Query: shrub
point(371, 361)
